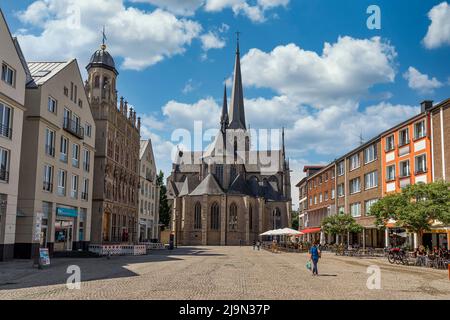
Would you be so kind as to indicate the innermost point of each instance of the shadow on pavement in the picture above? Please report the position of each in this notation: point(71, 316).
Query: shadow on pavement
point(21, 274)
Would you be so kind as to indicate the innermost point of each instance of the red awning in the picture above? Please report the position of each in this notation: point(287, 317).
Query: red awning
point(310, 230)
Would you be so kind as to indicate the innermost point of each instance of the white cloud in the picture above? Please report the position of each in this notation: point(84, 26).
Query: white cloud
point(183, 115)
point(190, 86)
point(421, 82)
point(140, 38)
point(256, 12)
point(212, 40)
point(439, 30)
point(183, 7)
point(345, 70)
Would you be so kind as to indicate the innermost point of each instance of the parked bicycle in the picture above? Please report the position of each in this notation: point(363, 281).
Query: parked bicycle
point(397, 256)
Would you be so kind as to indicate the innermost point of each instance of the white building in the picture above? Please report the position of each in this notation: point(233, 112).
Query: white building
point(12, 99)
point(148, 194)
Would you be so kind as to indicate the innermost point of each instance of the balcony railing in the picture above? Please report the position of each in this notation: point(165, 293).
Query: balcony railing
point(48, 186)
point(5, 131)
point(61, 191)
point(86, 166)
point(4, 175)
point(74, 194)
point(84, 196)
point(63, 157)
point(73, 128)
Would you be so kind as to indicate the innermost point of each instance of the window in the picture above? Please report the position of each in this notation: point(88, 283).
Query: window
point(198, 216)
point(332, 174)
point(419, 129)
point(52, 105)
point(404, 169)
point(403, 137)
point(48, 178)
point(421, 164)
point(341, 210)
point(75, 155)
point(74, 191)
point(333, 194)
point(320, 180)
point(80, 103)
point(215, 216)
point(50, 142)
point(368, 204)
point(86, 160)
point(71, 91)
point(370, 154)
point(371, 180)
point(390, 173)
point(320, 198)
point(88, 129)
point(310, 201)
point(341, 168)
point(85, 192)
point(8, 74)
point(390, 145)
point(62, 181)
point(64, 149)
point(66, 91)
point(5, 121)
point(354, 161)
point(341, 190)
point(315, 199)
point(96, 82)
point(355, 185)
point(326, 177)
point(276, 218)
point(4, 165)
point(233, 222)
point(355, 209)
point(325, 196)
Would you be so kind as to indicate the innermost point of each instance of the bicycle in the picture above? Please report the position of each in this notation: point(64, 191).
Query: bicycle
point(398, 256)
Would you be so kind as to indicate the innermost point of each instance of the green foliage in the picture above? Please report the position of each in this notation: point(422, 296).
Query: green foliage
point(164, 208)
point(295, 220)
point(340, 224)
point(417, 207)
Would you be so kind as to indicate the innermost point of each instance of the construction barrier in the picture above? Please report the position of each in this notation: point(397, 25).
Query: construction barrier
point(118, 250)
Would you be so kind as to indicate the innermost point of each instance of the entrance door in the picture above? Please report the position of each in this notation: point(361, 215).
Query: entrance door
point(63, 235)
point(106, 226)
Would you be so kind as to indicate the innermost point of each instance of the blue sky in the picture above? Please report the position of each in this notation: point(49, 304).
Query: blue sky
point(173, 57)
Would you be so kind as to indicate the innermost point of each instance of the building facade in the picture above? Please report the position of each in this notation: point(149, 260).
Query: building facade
point(56, 168)
point(229, 194)
point(148, 194)
point(12, 100)
point(115, 206)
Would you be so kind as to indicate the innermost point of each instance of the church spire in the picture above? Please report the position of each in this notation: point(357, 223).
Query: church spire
point(237, 112)
point(224, 117)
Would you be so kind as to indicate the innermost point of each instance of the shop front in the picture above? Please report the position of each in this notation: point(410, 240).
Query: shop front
point(65, 228)
point(436, 237)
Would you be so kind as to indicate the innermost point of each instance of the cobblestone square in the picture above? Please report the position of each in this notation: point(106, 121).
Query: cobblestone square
point(220, 273)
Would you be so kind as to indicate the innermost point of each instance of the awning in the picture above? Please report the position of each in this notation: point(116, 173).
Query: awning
point(310, 230)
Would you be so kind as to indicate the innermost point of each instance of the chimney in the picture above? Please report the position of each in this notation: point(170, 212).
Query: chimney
point(121, 104)
point(426, 105)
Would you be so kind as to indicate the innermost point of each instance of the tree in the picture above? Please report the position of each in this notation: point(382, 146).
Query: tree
point(340, 224)
point(294, 220)
point(164, 208)
point(416, 208)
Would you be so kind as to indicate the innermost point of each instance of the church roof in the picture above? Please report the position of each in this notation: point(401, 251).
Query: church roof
point(241, 186)
point(208, 186)
point(188, 185)
point(237, 112)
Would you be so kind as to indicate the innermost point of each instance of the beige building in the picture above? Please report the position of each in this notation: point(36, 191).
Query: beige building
point(115, 207)
point(12, 99)
point(148, 194)
point(229, 194)
point(56, 167)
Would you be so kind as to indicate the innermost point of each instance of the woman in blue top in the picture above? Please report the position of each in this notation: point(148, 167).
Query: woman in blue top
point(314, 253)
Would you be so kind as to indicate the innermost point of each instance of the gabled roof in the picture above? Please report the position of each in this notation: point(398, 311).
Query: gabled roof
point(41, 72)
point(188, 185)
point(208, 186)
point(240, 186)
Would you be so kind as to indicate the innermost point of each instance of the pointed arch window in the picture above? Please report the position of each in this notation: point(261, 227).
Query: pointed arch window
point(276, 218)
point(198, 216)
point(215, 216)
point(250, 217)
point(233, 219)
point(97, 81)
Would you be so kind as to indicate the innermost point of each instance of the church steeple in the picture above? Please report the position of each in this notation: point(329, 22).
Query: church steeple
point(237, 112)
point(224, 118)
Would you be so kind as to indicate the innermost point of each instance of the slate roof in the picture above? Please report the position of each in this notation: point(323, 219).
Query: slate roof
point(208, 186)
point(241, 186)
point(189, 185)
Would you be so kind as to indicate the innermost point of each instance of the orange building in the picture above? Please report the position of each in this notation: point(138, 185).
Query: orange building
point(406, 153)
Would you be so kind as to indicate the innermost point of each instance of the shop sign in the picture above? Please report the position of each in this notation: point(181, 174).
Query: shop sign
point(44, 258)
point(67, 212)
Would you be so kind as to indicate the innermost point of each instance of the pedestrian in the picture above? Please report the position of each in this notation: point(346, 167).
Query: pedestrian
point(315, 256)
point(254, 244)
point(258, 244)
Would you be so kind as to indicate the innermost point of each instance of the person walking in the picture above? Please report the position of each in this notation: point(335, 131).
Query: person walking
point(254, 244)
point(315, 254)
point(258, 244)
